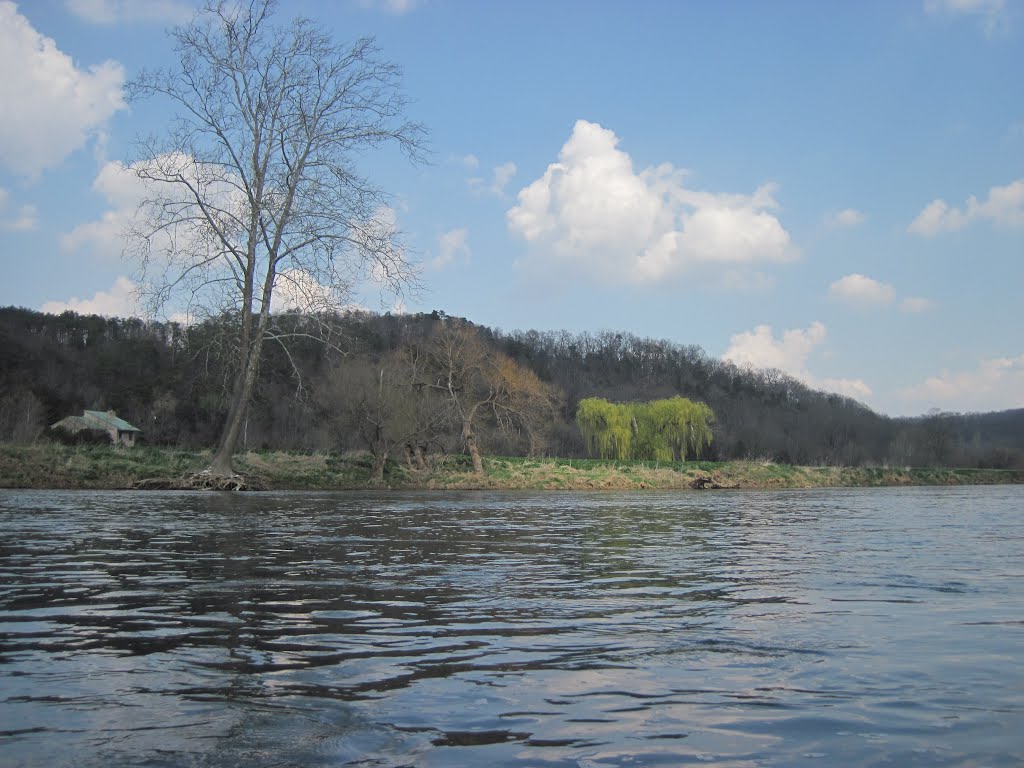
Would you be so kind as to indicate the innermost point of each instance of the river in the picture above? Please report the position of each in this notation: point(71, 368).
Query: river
point(835, 627)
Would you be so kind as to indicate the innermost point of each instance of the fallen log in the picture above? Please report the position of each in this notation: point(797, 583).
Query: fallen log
point(704, 483)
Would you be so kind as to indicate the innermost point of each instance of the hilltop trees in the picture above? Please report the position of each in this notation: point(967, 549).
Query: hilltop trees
point(254, 193)
point(663, 430)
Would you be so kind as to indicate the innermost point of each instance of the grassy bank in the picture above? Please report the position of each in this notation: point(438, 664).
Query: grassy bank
point(46, 465)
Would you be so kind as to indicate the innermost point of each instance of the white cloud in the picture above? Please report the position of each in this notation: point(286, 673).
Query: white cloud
point(915, 304)
point(848, 217)
point(25, 219)
point(471, 162)
point(115, 11)
point(591, 209)
point(859, 289)
point(317, 286)
point(452, 244)
point(59, 107)
point(990, 12)
point(790, 353)
point(122, 189)
point(1004, 207)
point(394, 7)
point(760, 349)
point(298, 289)
point(119, 301)
point(501, 176)
point(995, 384)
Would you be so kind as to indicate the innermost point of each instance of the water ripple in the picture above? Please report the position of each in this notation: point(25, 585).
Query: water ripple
point(588, 630)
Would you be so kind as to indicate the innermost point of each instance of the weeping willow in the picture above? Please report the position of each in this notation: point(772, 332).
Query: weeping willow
point(662, 430)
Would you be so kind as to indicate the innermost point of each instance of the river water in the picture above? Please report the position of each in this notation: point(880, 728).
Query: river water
point(840, 627)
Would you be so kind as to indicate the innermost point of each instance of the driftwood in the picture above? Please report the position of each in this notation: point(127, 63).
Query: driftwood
point(200, 481)
point(704, 483)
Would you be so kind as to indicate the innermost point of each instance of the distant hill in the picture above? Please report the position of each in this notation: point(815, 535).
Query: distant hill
point(169, 380)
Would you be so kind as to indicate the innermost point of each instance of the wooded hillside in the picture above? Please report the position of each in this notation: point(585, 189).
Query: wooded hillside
point(171, 382)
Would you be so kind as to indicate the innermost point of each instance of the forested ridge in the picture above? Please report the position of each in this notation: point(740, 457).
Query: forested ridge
point(173, 382)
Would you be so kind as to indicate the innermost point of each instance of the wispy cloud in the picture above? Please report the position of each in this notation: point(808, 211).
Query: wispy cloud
point(451, 245)
point(994, 383)
point(844, 219)
point(394, 7)
point(24, 219)
point(916, 304)
point(500, 177)
point(129, 11)
point(991, 13)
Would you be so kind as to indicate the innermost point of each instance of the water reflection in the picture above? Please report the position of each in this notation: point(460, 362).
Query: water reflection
point(511, 629)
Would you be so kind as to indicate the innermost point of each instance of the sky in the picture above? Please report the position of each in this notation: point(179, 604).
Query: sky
point(835, 190)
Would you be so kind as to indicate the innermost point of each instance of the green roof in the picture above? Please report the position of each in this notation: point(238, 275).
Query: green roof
point(107, 419)
point(74, 424)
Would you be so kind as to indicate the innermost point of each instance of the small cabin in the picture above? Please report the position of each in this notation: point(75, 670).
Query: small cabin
point(120, 431)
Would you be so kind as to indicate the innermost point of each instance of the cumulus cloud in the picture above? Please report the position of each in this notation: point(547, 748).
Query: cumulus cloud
point(846, 218)
point(59, 107)
point(121, 188)
point(790, 353)
point(451, 245)
point(862, 290)
point(995, 384)
point(592, 210)
point(116, 11)
point(500, 177)
point(297, 289)
point(1003, 207)
point(119, 301)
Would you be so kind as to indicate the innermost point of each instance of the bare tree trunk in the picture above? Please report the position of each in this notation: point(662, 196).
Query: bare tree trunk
point(421, 462)
point(380, 458)
point(471, 447)
point(222, 464)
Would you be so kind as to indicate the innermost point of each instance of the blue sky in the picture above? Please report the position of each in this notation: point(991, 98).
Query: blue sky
point(832, 189)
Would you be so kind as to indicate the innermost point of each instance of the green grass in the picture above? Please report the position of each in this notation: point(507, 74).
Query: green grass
point(50, 465)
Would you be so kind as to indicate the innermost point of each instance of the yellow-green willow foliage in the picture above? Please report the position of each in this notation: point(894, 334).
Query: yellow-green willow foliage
point(663, 430)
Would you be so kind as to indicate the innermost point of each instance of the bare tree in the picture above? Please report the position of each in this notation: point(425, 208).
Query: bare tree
point(376, 401)
point(479, 383)
point(254, 193)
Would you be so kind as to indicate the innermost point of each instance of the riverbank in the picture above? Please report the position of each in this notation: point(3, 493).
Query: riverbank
point(47, 465)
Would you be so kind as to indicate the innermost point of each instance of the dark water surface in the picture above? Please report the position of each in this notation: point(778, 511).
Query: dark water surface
point(841, 627)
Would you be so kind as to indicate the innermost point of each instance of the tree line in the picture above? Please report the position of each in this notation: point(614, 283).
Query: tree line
point(405, 387)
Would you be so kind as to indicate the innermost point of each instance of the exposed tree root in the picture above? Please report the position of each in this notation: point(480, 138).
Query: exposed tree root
point(204, 480)
point(704, 483)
